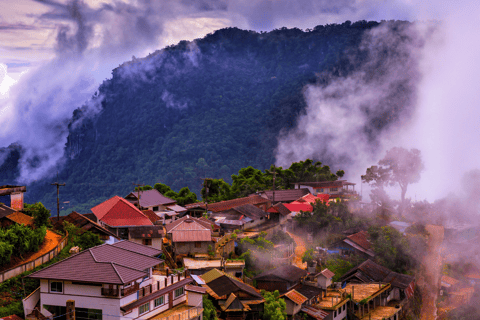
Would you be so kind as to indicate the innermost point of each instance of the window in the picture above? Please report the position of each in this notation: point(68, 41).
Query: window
point(178, 292)
point(159, 301)
point(147, 242)
point(344, 307)
point(333, 189)
point(56, 286)
point(155, 209)
point(198, 244)
point(335, 314)
point(320, 190)
point(144, 308)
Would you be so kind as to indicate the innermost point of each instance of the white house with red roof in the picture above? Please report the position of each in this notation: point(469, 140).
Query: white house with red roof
point(118, 214)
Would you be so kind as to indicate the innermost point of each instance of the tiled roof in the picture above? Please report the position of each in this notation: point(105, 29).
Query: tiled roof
point(280, 208)
point(191, 235)
point(82, 221)
point(5, 211)
point(189, 223)
point(361, 239)
point(310, 198)
point(309, 291)
point(151, 215)
point(224, 285)
point(21, 218)
point(326, 184)
point(150, 198)
point(117, 212)
point(138, 248)
point(101, 264)
point(286, 195)
point(287, 272)
point(369, 271)
point(146, 232)
point(177, 208)
point(249, 210)
point(327, 273)
point(449, 280)
point(296, 297)
point(195, 289)
point(229, 204)
point(298, 207)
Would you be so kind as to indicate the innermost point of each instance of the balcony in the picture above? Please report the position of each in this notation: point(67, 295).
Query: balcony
point(113, 292)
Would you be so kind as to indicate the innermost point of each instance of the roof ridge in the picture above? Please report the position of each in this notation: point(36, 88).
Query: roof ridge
point(112, 245)
point(116, 271)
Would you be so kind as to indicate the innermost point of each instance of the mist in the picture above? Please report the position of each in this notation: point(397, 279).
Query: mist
point(442, 115)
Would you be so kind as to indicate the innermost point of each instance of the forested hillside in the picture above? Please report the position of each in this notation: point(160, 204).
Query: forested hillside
point(197, 109)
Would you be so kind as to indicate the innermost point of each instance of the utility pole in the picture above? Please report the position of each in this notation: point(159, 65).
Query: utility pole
point(274, 173)
point(58, 196)
point(206, 185)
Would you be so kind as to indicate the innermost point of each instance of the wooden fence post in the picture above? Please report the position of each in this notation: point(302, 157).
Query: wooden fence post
point(70, 310)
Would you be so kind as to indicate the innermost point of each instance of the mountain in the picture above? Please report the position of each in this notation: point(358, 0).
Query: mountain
point(197, 109)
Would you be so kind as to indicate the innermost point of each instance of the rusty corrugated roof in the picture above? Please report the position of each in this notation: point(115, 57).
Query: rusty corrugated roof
point(230, 204)
point(296, 297)
point(327, 273)
point(21, 218)
point(191, 235)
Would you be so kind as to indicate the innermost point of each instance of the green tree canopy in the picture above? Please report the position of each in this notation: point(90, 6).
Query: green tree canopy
point(40, 214)
point(274, 306)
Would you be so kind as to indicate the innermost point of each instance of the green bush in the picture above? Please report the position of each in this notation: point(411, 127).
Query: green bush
point(6, 250)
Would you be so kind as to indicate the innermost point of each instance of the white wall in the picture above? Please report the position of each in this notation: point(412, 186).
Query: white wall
point(156, 242)
point(341, 313)
point(194, 299)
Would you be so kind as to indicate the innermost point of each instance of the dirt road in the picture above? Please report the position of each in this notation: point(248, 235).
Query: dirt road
point(430, 280)
point(299, 251)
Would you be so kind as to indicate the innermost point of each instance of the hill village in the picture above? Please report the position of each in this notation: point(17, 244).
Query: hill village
point(246, 258)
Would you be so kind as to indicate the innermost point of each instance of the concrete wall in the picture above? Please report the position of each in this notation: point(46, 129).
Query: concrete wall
point(292, 308)
point(341, 313)
point(156, 242)
point(194, 299)
point(323, 282)
point(189, 247)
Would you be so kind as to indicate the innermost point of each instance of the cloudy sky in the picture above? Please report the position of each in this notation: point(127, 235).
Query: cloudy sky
point(55, 53)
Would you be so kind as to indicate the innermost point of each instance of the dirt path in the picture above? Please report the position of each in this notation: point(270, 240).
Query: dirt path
point(299, 251)
point(51, 241)
point(429, 282)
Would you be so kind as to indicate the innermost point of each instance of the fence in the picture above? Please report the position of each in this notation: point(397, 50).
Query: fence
point(27, 266)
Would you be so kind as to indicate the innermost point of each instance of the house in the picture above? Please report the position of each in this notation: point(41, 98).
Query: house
point(256, 200)
point(190, 235)
point(117, 214)
point(201, 266)
point(357, 243)
point(147, 235)
point(112, 282)
point(294, 302)
point(317, 303)
point(283, 196)
point(235, 299)
point(249, 215)
point(81, 221)
point(369, 301)
point(12, 196)
point(321, 279)
point(282, 278)
point(12, 317)
point(279, 213)
point(448, 284)
point(311, 199)
point(402, 285)
point(10, 216)
point(154, 201)
point(335, 189)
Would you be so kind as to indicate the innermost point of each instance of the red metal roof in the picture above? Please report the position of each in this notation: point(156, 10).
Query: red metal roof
point(310, 198)
point(296, 207)
point(117, 212)
point(151, 215)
